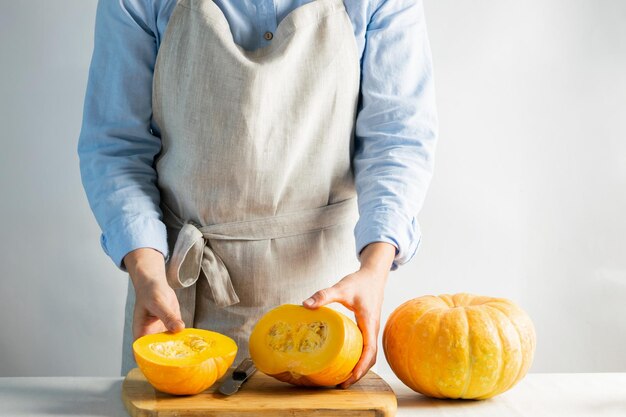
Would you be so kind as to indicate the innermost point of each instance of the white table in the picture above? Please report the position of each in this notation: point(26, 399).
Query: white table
point(537, 395)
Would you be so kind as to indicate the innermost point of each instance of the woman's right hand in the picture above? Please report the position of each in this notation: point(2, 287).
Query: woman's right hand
point(156, 306)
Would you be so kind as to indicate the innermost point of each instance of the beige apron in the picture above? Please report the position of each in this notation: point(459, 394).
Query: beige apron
point(255, 172)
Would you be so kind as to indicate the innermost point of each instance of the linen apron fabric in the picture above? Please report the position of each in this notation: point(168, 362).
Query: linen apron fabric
point(255, 171)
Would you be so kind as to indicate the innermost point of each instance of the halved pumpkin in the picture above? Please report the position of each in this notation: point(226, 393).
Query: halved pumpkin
point(306, 347)
point(183, 363)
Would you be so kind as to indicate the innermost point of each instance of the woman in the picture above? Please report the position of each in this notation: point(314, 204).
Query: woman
point(224, 144)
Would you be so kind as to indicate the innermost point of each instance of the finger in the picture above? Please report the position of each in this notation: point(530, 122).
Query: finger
point(323, 297)
point(367, 360)
point(173, 322)
point(156, 326)
point(171, 318)
point(369, 329)
point(144, 323)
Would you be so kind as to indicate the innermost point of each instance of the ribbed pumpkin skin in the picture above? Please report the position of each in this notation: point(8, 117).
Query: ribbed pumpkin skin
point(459, 346)
point(192, 377)
point(334, 369)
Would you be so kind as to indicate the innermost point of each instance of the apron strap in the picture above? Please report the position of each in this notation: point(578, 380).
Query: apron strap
point(285, 224)
point(193, 253)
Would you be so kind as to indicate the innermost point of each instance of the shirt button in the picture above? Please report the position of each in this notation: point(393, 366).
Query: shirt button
point(268, 35)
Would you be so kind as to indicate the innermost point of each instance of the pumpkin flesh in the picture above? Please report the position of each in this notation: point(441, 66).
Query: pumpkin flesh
point(306, 347)
point(183, 363)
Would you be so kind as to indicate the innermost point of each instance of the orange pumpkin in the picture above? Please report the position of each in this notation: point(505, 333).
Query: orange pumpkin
point(306, 347)
point(187, 362)
point(459, 346)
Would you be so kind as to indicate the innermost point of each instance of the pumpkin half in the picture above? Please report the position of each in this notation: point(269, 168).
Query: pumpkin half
point(186, 362)
point(459, 346)
point(306, 347)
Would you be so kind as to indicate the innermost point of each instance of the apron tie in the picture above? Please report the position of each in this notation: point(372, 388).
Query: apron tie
point(193, 253)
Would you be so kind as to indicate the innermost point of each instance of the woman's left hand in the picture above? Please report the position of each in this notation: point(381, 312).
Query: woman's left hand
point(362, 292)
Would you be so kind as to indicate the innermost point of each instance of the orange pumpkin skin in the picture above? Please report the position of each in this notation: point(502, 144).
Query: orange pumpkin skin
point(306, 347)
point(459, 346)
point(203, 357)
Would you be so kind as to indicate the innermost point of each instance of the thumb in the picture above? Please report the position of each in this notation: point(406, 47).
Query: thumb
point(171, 318)
point(323, 297)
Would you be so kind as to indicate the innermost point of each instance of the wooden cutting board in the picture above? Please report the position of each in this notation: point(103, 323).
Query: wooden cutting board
point(263, 396)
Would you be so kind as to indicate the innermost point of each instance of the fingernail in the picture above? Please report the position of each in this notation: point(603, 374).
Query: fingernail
point(309, 302)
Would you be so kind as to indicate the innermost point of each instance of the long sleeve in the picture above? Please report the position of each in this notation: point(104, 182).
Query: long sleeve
point(116, 146)
point(396, 128)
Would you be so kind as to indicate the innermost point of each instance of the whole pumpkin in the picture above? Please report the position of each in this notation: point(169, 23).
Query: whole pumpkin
point(186, 362)
point(459, 346)
point(306, 347)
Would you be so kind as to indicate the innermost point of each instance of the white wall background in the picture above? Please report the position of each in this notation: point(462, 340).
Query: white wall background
point(528, 199)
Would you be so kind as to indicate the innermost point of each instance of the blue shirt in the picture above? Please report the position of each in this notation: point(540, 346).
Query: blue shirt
point(395, 132)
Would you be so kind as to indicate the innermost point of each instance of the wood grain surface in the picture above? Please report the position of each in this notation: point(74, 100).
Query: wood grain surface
point(262, 396)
